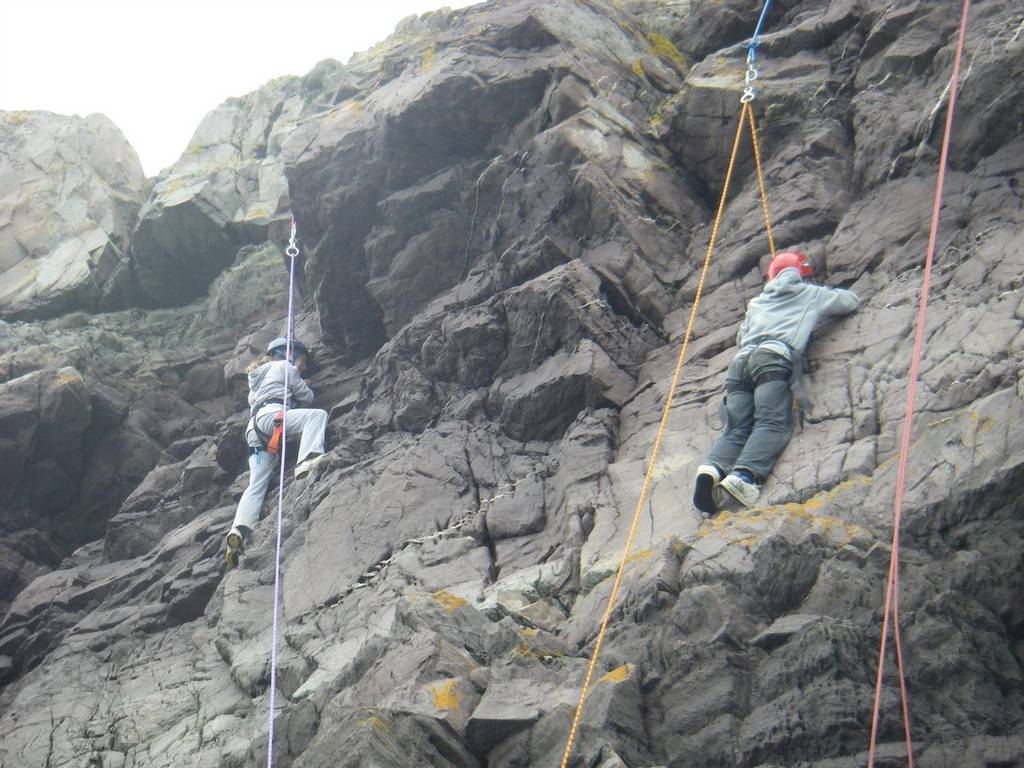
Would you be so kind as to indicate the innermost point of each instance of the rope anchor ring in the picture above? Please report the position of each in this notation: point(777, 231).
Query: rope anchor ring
point(748, 89)
point(292, 250)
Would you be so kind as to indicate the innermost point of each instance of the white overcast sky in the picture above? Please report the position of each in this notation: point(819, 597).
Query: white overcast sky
point(156, 67)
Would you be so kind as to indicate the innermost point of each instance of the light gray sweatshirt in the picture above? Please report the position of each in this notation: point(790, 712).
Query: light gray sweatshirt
point(267, 383)
point(783, 315)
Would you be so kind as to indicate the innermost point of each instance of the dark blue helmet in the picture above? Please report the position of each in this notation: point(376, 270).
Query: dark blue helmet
point(278, 348)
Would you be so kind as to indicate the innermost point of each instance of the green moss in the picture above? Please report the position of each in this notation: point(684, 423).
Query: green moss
point(525, 650)
point(663, 47)
point(658, 118)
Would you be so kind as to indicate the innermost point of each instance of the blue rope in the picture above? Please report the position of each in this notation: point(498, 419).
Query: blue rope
point(755, 39)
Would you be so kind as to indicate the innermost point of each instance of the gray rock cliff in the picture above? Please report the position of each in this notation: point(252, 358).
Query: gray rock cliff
point(502, 211)
point(70, 189)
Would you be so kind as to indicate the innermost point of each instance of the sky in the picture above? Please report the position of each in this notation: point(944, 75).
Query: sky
point(156, 67)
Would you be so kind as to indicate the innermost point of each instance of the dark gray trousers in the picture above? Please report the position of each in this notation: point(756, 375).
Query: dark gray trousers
point(758, 414)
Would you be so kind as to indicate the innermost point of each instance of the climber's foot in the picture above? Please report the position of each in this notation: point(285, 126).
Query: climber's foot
point(703, 499)
point(745, 491)
point(235, 546)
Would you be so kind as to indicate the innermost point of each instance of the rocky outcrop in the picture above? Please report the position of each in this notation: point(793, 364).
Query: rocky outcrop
point(70, 188)
point(505, 206)
point(90, 404)
point(508, 185)
point(227, 190)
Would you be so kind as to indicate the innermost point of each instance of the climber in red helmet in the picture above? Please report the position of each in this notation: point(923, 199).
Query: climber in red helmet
point(758, 396)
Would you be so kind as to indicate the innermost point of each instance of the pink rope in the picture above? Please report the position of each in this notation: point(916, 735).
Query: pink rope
point(892, 585)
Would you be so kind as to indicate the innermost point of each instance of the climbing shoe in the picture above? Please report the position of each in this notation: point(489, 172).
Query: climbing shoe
point(744, 491)
point(304, 467)
point(234, 549)
point(708, 477)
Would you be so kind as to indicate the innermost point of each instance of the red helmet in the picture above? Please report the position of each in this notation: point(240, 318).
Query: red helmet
point(784, 259)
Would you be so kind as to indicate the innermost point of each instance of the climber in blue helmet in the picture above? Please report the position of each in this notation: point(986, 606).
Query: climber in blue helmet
point(263, 433)
point(758, 394)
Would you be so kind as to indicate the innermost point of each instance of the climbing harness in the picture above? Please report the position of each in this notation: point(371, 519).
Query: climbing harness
point(746, 117)
point(275, 436)
point(892, 583)
point(292, 251)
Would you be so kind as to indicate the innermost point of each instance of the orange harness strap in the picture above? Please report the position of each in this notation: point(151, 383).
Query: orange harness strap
point(275, 437)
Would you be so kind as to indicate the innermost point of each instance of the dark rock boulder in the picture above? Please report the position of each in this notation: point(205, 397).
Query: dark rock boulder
point(496, 181)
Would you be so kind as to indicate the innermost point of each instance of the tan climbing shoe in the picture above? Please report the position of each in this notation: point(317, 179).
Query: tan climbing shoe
point(234, 550)
point(745, 493)
point(305, 467)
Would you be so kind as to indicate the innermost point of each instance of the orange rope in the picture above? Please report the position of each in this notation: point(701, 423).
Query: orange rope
point(760, 178)
point(892, 585)
point(661, 431)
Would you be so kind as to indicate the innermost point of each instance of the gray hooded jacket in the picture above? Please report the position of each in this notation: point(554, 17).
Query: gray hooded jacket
point(266, 392)
point(266, 383)
point(783, 315)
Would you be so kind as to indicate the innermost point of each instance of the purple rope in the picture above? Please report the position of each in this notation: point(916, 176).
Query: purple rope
point(292, 251)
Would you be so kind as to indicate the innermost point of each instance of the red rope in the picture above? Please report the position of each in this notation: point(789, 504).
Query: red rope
point(892, 586)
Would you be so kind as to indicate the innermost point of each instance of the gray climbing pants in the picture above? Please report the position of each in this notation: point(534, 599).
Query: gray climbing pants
point(758, 414)
point(309, 423)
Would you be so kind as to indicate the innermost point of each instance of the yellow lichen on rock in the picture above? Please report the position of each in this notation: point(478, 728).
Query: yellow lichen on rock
point(19, 117)
point(427, 58)
point(448, 601)
point(735, 527)
point(445, 696)
point(663, 47)
point(618, 674)
point(980, 424)
point(819, 500)
point(524, 650)
point(640, 554)
point(69, 376)
point(658, 118)
point(258, 212)
point(375, 722)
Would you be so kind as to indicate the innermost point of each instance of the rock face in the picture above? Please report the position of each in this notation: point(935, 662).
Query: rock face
point(228, 188)
point(505, 209)
point(70, 189)
point(90, 405)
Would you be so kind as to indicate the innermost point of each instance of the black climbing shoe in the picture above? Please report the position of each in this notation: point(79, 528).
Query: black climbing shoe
point(703, 499)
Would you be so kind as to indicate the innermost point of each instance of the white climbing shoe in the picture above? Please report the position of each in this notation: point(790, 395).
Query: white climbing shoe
point(303, 468)
point(745, 493)
point(708, 477)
